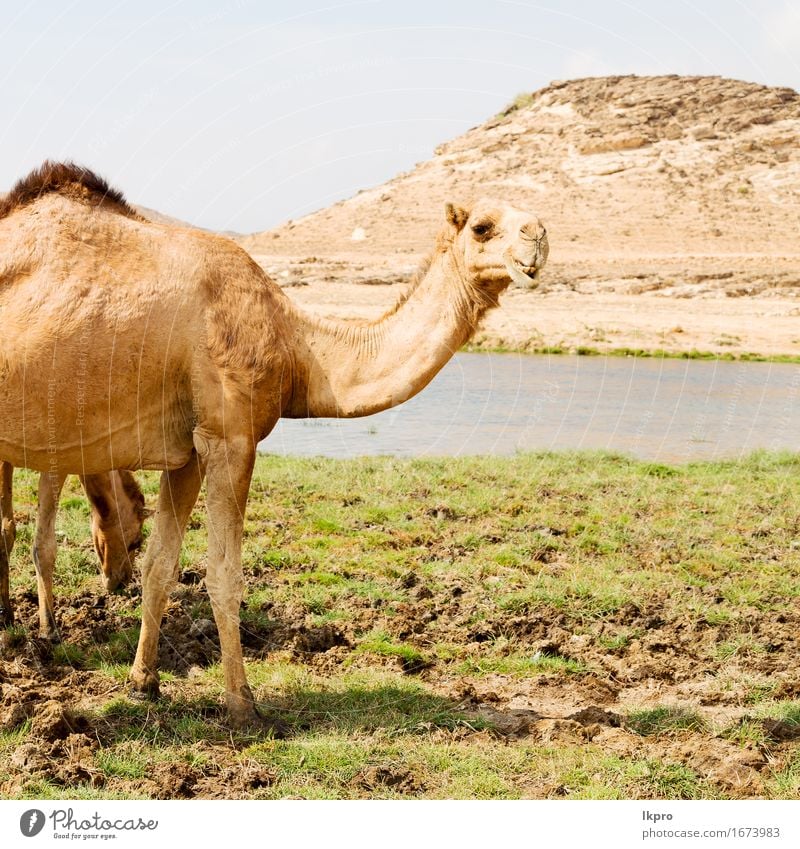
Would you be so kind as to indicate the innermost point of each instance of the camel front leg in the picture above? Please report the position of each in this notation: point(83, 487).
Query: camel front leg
point(44, 551)
point(179, 490)
point(230, 467)
point(7, 536)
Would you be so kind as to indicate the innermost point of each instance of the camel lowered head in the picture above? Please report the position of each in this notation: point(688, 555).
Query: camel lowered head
point(118, 516)
point(500, 244)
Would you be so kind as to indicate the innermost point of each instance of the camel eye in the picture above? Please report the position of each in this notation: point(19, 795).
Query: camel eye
point(483, 228)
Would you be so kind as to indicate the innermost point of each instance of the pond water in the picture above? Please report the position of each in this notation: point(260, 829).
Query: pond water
point(656, 409)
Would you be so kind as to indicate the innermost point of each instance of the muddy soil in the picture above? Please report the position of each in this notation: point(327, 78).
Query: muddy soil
point(666, 663)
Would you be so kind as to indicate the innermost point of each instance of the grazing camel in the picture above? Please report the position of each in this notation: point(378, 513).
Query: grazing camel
point(118, 513)
point(173, 350)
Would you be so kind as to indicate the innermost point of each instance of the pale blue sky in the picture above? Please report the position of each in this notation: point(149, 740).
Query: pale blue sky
point(240, 114)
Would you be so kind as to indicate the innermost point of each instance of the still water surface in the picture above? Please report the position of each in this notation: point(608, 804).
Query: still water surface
point(655, 409)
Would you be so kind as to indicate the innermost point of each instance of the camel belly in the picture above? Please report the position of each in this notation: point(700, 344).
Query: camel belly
point(73, 406)
point(65, 437)
point(87, 459)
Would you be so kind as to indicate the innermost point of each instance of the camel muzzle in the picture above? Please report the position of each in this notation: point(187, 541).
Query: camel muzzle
point(116, 583)
point(525, 275)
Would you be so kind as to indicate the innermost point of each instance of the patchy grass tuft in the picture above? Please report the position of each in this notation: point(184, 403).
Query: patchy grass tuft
point(664, 720)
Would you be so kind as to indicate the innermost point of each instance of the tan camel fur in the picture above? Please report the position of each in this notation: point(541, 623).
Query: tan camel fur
point(173, 350)
point(118, 513)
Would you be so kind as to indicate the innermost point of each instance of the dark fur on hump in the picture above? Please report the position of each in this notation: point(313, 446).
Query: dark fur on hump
point(70, 180)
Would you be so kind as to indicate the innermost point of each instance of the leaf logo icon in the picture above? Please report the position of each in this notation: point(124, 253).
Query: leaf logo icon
point(31, 822)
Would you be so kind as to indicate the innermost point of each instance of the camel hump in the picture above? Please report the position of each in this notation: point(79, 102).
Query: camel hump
point(68, 179)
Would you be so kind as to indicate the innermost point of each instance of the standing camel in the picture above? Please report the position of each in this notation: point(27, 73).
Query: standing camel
point(118, 513)
point(173, 350)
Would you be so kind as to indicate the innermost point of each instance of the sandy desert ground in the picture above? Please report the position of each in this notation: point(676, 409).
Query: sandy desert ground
point(677, 319)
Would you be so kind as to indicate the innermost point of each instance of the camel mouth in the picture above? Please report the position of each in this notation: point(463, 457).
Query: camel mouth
point(115, 585)
point(531, 271)
point(523, 276)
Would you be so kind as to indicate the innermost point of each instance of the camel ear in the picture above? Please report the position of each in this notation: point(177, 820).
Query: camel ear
point(101, 506)
point(456, 215)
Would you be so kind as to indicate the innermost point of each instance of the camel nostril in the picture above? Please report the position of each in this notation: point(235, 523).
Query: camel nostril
point(533, 231)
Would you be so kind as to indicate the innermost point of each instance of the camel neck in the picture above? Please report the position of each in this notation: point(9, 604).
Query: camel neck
point(354, 369)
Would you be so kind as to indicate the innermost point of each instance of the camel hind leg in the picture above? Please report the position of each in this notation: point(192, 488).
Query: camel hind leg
point(44, 551)
point(178, 493)
point(230, 467)
point(8, 534)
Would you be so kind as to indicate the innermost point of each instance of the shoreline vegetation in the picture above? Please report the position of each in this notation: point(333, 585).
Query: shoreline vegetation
point(547, 625)
point(642, 353)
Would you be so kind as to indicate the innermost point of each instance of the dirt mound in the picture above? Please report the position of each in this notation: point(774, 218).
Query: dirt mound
point(377, 777)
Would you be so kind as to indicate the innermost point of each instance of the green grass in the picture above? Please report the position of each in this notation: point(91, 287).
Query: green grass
point(46, 790)
point(521, 101)
point(121, 765)
point(612, 777)
point(10, 739)
point(785, 782)
point(380, 643)
point(118, 649)
point(642, 353)
point(454, 583)
point(517, 666)
point(787, 712)
point(664, 720)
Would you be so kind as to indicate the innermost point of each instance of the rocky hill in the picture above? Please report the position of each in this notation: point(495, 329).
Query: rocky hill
point(684, 186)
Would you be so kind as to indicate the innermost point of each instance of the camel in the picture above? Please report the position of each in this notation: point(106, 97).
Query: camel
point(173, 350)
point(118, 513)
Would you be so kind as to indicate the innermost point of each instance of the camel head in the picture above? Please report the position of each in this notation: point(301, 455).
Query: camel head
point(500, 244)
point(118, 515)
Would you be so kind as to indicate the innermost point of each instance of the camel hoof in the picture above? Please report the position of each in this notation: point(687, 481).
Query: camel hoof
point(152, 694)
point(144, 687)
point(253, 722)
point(50, 635)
